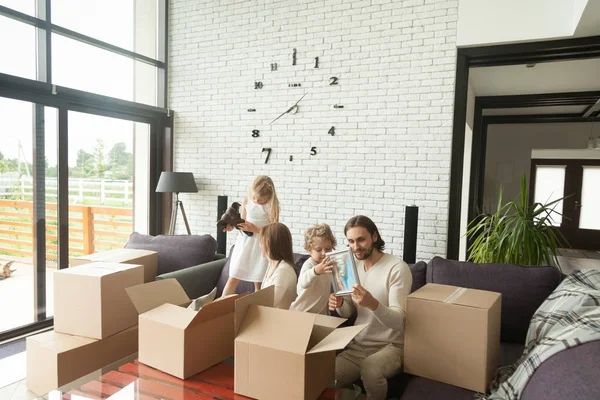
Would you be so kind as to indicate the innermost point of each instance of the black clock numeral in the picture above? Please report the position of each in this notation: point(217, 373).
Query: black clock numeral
point(338, 106)
point(255, 133)
point(316, 62)
point(334, 80)
point(291, 158)
point(258, 85)
point(252, 110)
point(313, 151)
point(268, 150)
point(294, 57)
point(273, 66)
point(332, 131)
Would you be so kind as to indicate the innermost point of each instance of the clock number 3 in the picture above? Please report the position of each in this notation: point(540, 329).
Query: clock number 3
point(268, 150)
point(255, 133)
point(334, 80)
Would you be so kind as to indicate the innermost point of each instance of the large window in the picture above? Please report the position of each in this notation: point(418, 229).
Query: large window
point(76, 168)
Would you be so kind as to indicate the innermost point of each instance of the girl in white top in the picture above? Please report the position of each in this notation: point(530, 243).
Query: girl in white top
point(276, 244)
point(260, 208)
point(314, 282)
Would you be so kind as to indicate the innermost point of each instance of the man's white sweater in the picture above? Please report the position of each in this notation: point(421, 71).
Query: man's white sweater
point(389, 281)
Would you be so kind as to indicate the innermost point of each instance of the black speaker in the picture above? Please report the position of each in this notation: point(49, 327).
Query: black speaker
point(411, 219)
point(221, 236)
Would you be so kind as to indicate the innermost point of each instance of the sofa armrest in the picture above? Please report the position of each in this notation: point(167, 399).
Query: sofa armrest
point(199, 279)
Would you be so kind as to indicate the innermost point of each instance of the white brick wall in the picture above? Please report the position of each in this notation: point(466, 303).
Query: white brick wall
point(395, 61)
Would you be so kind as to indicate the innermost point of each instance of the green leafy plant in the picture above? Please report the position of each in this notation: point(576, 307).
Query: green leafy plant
point(517, 233)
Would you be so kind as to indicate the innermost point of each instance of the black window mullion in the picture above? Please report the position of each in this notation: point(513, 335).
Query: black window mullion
point(39, 212)
point(63, 188)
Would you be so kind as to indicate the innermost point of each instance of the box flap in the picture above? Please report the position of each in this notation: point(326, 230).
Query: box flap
point(117, 255)
point(477, 298)
point(327, 321)
point(171, 315)
point(264, 297)
point(219, 307)
point(150, 295)
point(338, 339)
point(434, 292)
point(276, 329)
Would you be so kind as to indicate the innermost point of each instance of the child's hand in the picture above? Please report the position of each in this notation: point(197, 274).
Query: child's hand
point(335, 302)
point(324, 267)
point(228, 228)
point(248, 227)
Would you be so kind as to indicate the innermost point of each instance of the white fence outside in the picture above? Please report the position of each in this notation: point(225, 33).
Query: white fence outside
point(80, 189)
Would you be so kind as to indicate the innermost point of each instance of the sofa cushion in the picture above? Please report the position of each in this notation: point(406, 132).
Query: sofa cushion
point(523, 289)
point(419, 271)
point(570, 374)
point(176, 252)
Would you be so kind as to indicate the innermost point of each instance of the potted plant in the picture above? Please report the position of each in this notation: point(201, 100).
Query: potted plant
point(516, 233)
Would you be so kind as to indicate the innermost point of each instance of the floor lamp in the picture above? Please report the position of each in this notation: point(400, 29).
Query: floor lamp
point(177, 182)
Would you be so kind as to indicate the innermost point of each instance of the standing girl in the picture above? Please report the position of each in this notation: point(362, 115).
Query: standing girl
point(260, 208)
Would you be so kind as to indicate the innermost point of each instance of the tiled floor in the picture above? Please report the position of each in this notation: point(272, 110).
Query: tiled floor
point(571, 260)
point(12, 378)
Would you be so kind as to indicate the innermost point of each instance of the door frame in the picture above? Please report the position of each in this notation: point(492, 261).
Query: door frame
point(484, 56)
point(575, 237)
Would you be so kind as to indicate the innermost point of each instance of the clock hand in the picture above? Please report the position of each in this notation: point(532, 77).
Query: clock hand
point(288, 110)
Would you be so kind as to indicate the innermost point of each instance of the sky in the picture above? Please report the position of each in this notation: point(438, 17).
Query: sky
point(75, 65)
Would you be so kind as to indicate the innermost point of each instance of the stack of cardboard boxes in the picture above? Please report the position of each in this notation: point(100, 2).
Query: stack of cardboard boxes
point(95, 323)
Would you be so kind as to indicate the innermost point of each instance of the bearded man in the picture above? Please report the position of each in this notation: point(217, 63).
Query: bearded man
point(377, 352)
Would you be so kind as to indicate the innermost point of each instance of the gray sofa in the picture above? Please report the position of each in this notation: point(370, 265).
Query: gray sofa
point(572, 374)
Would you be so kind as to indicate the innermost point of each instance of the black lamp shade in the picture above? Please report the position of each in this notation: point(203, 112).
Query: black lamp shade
point(176, 182)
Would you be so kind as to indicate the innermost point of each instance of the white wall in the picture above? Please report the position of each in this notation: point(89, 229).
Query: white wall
point(491, 21)
point(509, 150)
point(396, 66)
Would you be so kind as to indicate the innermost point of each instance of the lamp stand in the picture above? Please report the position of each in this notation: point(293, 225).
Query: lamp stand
point(178, 203)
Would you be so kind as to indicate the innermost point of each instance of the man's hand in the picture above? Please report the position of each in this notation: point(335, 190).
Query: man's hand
point(335, 302)
point(248, 227)
point(364, 298)
point(324, 267)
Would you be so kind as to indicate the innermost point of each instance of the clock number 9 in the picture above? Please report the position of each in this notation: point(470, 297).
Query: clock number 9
point(313, 151)
point(334, 80)
point(255, 133)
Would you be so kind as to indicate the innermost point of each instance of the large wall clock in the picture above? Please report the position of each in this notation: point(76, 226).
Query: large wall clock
point(277, 114)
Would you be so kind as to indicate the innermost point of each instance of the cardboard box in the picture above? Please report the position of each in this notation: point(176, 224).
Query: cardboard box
point(147, 258)
point(56, 359)
point(282, 354)
point(452, 335)
point(91, 301)
point(176, 340)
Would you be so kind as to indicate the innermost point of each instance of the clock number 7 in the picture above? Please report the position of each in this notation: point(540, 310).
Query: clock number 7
point(268, 150)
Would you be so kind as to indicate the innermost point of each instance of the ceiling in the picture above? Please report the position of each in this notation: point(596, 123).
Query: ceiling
point(535, 110)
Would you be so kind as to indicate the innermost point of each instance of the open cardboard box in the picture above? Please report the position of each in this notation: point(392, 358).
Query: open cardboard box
point(147, 258)
point(452, 335)
point(91, 301)
point(282, 354)
point(177, 340)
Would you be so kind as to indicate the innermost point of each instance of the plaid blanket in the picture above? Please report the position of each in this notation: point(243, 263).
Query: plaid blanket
point(569, 317)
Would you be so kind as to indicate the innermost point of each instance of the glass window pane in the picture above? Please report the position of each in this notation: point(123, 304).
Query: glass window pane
point(130, 24)
point(18, 53)
point(84, 67)
point(17, 202)
point(24, 6)
point(549, 186)
point(590, 198)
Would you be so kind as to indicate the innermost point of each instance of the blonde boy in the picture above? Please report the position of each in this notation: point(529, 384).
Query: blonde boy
point(314, 282)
